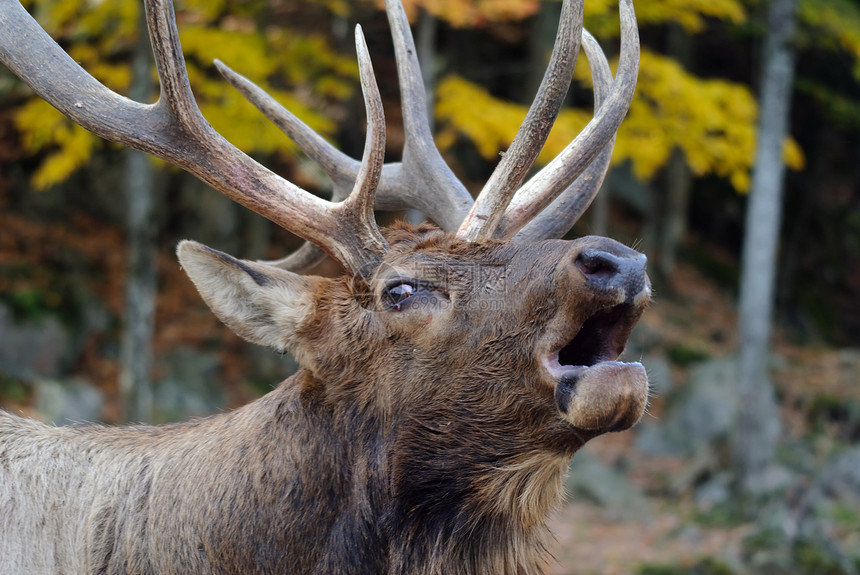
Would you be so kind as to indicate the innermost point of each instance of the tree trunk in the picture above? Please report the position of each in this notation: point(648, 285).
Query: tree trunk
point(678, 181)
point(678, 176)
point(142, 231)
point(757, 428)
point(540, 45)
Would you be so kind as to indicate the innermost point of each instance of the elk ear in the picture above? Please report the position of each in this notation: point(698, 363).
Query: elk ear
point(261, 303)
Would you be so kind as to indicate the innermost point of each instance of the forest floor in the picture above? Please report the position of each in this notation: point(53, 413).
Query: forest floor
point(590, 543)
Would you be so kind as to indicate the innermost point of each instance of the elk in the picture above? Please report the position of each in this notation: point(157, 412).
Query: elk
point(445, 381)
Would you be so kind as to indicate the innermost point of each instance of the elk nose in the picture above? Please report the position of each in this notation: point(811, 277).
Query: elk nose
point(622, 274)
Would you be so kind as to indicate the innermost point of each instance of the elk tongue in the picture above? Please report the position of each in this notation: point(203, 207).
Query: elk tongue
point(608, 396)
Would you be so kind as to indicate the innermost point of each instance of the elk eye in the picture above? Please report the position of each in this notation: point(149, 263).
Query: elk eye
point(395, 295)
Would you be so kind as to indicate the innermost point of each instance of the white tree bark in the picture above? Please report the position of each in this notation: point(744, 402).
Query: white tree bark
point(135, 383)
point(757, 428)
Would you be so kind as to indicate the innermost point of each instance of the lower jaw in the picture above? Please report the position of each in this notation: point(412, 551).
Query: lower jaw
point(607, 396)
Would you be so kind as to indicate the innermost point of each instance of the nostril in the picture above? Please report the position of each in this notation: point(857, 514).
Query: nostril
point(597, 263)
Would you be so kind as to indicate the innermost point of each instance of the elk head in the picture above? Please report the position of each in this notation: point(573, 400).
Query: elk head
point(484, 331)
point(443, 321)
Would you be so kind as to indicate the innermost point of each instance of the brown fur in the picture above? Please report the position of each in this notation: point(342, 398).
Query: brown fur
point(426, 440)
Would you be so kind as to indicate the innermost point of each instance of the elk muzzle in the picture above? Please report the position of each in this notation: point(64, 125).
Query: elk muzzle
point(593, 391)
point(609, 396)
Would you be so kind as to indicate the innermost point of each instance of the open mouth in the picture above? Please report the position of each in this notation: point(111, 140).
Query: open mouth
point(601, 338)
point(593, 391)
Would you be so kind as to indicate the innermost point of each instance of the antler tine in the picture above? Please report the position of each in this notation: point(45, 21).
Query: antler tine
point(341, 168)
point(421, 181)
point(556, 176)
point(359, 205)
point(484, 217)
point(556, 219)
point(173, 129)
point(423, 174)
point(338, 166)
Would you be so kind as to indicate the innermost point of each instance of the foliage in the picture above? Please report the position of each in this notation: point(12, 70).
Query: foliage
point(833, 24)
point(839, 109)
point(705, 566)
point(467, 109)
point(712, 121)
point(602, 15)
point(684, 355)
point(473, 13)
point(12, 390)
point(100, 36)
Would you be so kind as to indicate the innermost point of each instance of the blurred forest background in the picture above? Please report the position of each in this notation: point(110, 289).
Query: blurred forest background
point(97, 322)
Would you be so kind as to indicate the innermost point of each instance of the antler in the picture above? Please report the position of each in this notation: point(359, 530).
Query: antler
point(488, 209)
point(174, 129)
point(585, 160)
point(424, 181)
point(492, 216)
point(556, 219)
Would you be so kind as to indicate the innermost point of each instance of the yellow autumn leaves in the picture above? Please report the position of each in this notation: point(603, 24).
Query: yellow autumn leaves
point(467, 109)
point(711, 121)
point(471, 13)
point(100, 35)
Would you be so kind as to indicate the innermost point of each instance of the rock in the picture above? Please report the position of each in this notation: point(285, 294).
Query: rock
point(32, 349)
point(66, 402)
point(590, 479)
point(662, 439)
point(715, 491)
point(659, 374)
point(190, 388)
point(841, 478)
point(702, 412)
point(771, 480)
